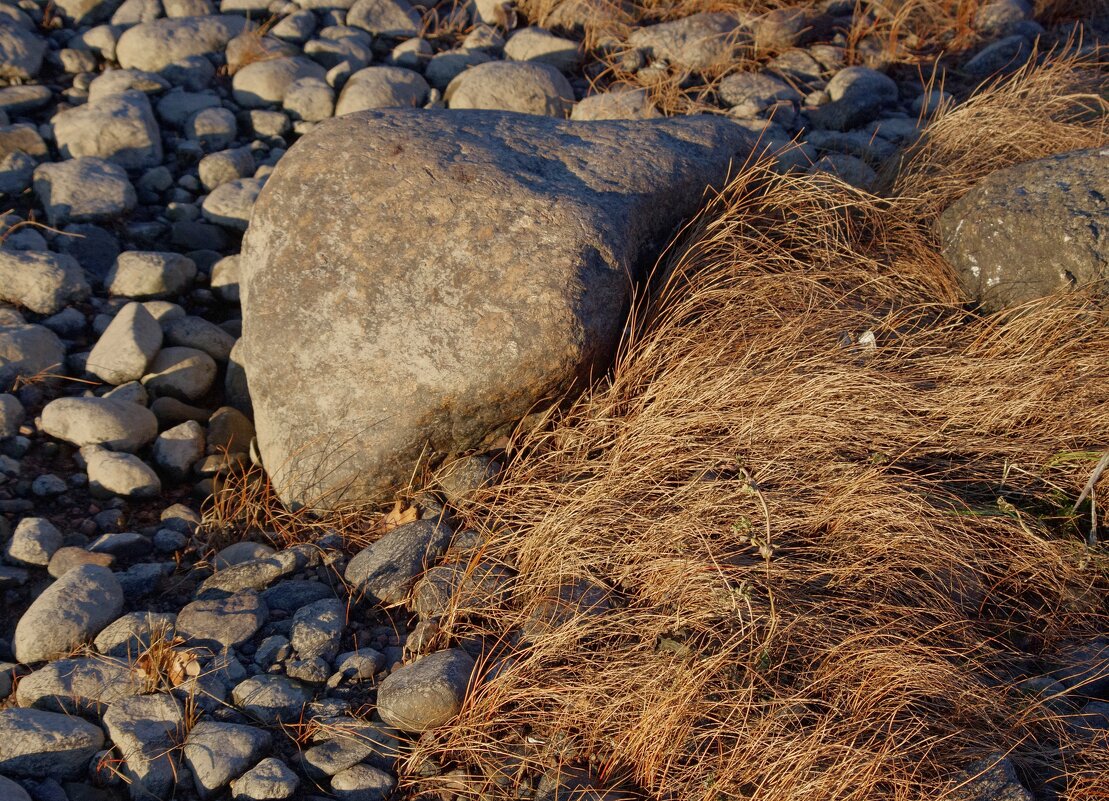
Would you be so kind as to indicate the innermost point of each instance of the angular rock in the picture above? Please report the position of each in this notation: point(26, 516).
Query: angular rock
point(216, 753)
point(128, 345)
point(36, 744)
point(590, 202)
point(83, 190)
point(269, 780)
point(119, 128)
point(522, 86)
point(41, 281)
point(350, 742)
point(427, 693)
point(1031, 230)
point(178, 449)
point(33, 542)
point(146, 731)
point(115, 424)
point(68, 613)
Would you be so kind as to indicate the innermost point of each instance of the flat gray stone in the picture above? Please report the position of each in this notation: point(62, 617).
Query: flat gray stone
point(115, 424)
point(132, 634)
point(362, 783)
point(697, 42)
point(1031, 230)
point(81, 686)
point(223, 622)
point(537, 44)
point(264, 83)
point(350, 742)
point(119, 128)
point(68, 613)
point(146, 731)
point(474, 201)
point(427, 693)
point(185, 374)
point(391, 18)
point(217, 753)
point(630, 104)
point(231, 204)
point(83, 190)
point(272, 698)
point(41, 281)
point(35, 744)
point(178, 449)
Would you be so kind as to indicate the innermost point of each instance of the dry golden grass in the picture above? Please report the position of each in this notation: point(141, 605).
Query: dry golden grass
point(819, 520)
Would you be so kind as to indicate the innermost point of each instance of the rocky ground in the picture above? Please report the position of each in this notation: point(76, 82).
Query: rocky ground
point(137, 656)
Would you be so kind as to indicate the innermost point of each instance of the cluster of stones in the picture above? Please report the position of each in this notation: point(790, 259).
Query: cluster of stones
point(138, 136)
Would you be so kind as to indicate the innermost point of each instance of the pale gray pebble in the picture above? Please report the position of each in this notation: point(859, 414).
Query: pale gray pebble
point(309, 99)
point(357, 666)
point(309, 671)
point(264, 83)
point(176, 108)
point(395, 19)
point(238, 553)
point(196, 332)
point(220, 168)
point(122, 474)
point(269, 780)
point(352, 741)
point(215, 128)
point(272, 698)
point(231, 204)
point(271, 651)
point(178, 449)
point(217, 753)
point(362, 783)
point(185, 374)
point(29, 350)
point(317, 629)
point(149, 274)
point(131, 392)
point(99, 421)
point(447, 65)
point(225, 279)
point(268, 124)
point(127, 347)
point(68, 613)
point(537, 44)
point(33, 542)
point(113, 82)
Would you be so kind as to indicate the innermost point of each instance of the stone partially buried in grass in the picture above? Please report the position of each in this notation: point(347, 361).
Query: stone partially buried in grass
point(494, 277)
point(427, 693)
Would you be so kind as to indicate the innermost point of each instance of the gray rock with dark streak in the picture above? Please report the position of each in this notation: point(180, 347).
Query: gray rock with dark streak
point(506, 250)
point(386, 570)
point(427, 693)
point(1032, 229)
point(146, 731)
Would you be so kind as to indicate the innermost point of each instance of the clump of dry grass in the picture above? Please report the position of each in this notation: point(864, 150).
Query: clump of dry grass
point(816, 530)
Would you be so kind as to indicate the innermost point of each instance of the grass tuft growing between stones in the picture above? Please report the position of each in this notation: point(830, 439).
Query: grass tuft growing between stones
point(815, 536)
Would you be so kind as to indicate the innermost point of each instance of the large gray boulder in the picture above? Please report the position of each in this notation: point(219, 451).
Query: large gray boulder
point(37, 744)
point(416, 281)
point(155, 45)
point(1032, 229)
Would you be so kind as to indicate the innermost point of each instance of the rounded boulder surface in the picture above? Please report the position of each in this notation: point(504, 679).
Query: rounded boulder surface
point(28, 350)
point(427, 693)
point(1031, 230)
point(35, 743)
point(523, 86)
point(70, 612)
point(41, 281)
point(115, 424)
point(382, 87)
point(127, 346)
point(476, 263)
